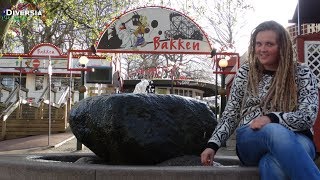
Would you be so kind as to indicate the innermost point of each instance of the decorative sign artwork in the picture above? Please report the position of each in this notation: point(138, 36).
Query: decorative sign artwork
point(154, 30)
point(45, 49)
point(36, 61)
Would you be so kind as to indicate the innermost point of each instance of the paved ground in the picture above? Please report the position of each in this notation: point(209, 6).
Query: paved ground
point(62, 142)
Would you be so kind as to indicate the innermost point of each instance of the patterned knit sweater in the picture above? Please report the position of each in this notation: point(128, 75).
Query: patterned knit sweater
point(300, 120)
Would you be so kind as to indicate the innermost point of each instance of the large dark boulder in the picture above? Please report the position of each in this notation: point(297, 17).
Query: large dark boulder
point(142, 128)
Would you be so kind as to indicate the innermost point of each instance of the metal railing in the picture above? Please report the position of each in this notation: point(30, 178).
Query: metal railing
point(11, 106)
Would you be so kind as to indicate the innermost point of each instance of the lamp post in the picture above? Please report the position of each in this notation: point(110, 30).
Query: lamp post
point(223, 63)
point(83, 60)
point(49, 106)
point(228, 63)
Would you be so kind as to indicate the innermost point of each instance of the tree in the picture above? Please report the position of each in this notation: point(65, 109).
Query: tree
point(5, 23)
point(225, 19)
point(67, 23)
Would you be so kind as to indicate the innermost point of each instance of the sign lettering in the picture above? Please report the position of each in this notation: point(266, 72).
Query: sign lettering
point(174, 44)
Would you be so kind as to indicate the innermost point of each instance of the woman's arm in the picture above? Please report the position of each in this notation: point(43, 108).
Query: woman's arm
point(306, 113)
point(231, 115)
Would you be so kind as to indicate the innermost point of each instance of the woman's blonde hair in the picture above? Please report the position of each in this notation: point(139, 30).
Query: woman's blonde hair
point(282, 94)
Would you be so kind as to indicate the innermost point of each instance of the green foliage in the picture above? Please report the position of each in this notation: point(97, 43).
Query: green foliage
point(4, 24)
point(65, 23)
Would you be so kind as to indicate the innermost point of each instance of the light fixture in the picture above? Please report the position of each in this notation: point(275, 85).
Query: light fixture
point(223, 63)
point(83, 60)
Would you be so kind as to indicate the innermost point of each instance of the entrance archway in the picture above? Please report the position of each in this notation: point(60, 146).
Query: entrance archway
point(154, 29)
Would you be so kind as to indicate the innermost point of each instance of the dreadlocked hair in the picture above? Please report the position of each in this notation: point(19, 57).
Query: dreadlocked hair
point(282, 94)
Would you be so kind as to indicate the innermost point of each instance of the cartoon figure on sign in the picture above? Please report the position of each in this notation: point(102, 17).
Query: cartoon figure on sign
point(133, 37)
point(114, 42)
point(141, 30)
point(126, 36)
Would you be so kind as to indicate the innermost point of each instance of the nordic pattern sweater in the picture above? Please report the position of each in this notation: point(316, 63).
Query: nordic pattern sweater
point(300, 120)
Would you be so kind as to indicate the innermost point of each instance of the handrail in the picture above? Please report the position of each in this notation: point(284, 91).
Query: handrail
point(6, 113)
point(10, 108)
point(5, 88)
point(63, 96)
point(25, 90)
point(41, 98)
point(14, 92)
point(2, 87)
point(11, 95)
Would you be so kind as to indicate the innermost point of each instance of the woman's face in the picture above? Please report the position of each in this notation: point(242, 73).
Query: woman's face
point(267, 49)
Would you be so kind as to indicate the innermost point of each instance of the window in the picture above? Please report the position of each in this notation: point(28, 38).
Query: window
point(8, 82)
point(161, 90)
point(180, 92)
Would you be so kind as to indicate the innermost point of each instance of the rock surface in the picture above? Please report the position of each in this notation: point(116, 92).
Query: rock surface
point(142, 129)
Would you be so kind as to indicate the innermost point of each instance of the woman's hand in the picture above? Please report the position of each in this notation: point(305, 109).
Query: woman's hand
point(259, 122)
point(207, 157)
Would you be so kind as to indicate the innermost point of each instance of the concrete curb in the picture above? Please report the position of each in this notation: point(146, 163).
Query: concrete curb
point(14, 167)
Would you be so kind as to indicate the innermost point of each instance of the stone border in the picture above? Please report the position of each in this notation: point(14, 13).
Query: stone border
point(27, 167)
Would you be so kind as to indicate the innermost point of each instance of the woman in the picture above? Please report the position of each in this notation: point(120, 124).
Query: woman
point(274, 102)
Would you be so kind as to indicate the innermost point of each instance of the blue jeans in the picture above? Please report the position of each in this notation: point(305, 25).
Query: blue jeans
point(280, 153)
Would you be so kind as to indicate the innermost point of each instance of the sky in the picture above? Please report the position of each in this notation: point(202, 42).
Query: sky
point(278, 10)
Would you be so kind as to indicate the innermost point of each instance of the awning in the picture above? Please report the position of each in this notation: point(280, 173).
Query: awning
point(307, 11)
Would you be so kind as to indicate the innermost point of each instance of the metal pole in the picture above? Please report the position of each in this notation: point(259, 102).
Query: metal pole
point(216, 89)
point(171, 81)
point(299, 23)
point(49, 106)
point(81, 96)
point(70, 98)
point(222, 99)
point(20, 78)
point(223, 96)
point(19, 91)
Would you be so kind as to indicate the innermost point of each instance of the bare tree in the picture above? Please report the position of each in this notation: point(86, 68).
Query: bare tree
point(224, 19)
